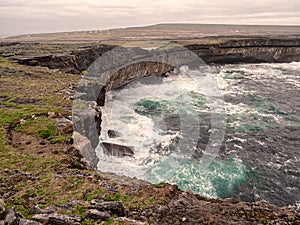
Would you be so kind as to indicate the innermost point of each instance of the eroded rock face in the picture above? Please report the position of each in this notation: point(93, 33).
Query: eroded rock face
point(86, 149)
point(70, 62)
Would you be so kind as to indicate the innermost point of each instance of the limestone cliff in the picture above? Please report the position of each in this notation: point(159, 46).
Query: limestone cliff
point(231, 50)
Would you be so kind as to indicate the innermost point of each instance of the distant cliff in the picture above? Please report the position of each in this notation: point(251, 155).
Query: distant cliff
point(253, 50)
point(231, 50)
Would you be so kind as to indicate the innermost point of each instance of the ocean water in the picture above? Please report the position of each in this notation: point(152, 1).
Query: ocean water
point(168, 123)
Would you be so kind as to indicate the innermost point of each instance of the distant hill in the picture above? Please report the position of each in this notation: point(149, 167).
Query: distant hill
point(162, 32)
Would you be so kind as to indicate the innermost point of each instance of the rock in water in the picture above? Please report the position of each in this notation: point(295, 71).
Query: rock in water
point(113, 134)
point(118, 150)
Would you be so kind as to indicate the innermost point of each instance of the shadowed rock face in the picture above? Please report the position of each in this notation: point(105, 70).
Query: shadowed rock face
point(235, 50)
point(70, 62)
point(254, 50)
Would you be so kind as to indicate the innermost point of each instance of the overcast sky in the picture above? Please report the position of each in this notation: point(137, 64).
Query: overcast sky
point(36, 16)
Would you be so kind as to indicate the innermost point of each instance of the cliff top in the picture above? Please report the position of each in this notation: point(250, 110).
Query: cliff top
point(160, 32)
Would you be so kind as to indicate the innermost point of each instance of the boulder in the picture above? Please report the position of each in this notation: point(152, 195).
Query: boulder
point(115, 207)
point(113, 134)
point(95, 214)
point(37, 210)
point(58, 219)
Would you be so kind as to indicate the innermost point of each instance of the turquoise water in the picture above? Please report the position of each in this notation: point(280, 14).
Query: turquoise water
point(217, 180)
point(163, 122)
point(167, 121)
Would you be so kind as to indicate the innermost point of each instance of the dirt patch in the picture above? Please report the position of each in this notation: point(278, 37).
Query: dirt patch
point(28, 144)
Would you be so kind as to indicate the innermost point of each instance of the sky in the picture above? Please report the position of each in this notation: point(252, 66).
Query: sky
point(44, 16)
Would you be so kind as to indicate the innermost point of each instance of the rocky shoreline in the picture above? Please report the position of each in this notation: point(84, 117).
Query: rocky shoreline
point(38, 173)
point(175, 207)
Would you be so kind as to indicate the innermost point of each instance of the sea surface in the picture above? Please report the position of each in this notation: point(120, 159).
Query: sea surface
point(168, 121)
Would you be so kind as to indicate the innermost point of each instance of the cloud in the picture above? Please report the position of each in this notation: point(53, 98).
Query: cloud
point(19, 16)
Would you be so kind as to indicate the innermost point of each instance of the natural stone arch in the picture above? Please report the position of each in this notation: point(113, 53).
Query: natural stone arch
point(119, 67)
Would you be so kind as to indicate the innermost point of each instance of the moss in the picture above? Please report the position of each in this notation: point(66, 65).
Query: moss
point(149, 200)
point(159, 185)
point(80, 211)
point(109, 221)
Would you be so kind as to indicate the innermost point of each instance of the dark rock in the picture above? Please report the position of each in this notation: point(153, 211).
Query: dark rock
point(113, 134)
point(72, 150)
point(12, 218)
point(137, 216)
point(101, 97)
point(113, 207)
point(35, 210)
point(118, 150)
point(55, 151)
point(94, 214)
point(43, 142)
point(2, 209)
point(57, 219)
point(28, 222)
point(98, 120)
